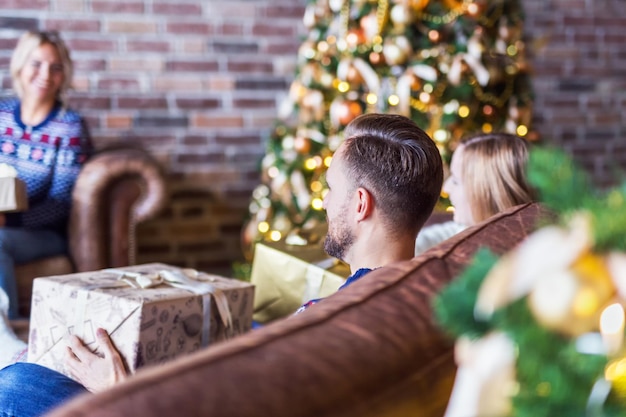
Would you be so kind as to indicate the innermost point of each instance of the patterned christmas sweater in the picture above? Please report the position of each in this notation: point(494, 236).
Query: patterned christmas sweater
point(48, 158)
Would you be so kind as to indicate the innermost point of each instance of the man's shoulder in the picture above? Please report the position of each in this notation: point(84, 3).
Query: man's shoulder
point(358, 274)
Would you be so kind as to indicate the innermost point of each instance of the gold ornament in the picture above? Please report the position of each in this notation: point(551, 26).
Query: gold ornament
point(376, 58)
point(582, 292)
point(369, 24)
point(401, 15)
point(416, 82)
point(353, 76)
point(397, 50)
point(474, 9)
point(393, 55)
point(355, 38)
point(302, 145)
point(343, 112)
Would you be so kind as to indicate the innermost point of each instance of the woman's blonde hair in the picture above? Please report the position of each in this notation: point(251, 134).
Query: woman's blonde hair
point(494, 173)
point(30, 41)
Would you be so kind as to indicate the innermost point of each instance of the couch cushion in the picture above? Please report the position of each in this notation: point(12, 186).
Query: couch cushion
point(369, 350)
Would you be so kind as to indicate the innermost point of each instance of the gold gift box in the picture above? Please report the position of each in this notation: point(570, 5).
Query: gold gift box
point(286, 276)
point(147, 325)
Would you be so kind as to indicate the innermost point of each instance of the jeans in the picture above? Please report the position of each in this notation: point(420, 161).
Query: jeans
point(17, 246)
point(28, 390)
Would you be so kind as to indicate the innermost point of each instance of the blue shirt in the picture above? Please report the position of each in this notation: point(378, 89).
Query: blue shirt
point(352, 278)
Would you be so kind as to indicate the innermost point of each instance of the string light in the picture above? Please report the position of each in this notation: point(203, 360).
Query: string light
point(393, 100)
point(316, 186)
point(317, 204)
point(263, 227)
point(440, 135)
point(310, 164)
point(371, 98)
point(616, 370)
point(511, 50)
point(261, 191)
point(352, 38)
point(272, 172)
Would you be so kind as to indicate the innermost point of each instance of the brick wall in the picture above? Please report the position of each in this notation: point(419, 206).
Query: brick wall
point(579, 64)
point(197, 82)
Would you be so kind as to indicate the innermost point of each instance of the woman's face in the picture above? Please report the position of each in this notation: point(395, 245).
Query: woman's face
point(456, 190)
point(42, 75)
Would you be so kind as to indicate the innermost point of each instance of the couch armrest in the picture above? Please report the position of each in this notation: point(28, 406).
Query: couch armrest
point(115, 190)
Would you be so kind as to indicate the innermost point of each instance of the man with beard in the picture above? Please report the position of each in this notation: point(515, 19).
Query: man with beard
point(383, 184)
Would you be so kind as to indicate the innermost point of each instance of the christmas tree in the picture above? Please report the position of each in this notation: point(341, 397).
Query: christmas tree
point(454, 66)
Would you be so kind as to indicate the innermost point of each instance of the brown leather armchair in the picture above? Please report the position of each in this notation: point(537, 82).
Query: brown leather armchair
point(116, 190)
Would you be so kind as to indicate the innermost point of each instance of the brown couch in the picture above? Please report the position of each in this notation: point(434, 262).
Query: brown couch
point(369, 350)
point(115, 190)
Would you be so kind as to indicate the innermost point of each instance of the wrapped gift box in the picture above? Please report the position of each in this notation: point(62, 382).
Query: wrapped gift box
point(12, 195)
point(147, 325)
point(286, 276)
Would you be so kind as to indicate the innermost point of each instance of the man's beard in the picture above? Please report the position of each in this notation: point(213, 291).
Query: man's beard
point(337, 244)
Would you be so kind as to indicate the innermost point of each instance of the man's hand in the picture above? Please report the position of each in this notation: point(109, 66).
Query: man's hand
point(94, 372)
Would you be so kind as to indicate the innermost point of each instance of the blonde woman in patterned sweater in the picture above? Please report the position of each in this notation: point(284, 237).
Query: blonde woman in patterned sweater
point(47, 145)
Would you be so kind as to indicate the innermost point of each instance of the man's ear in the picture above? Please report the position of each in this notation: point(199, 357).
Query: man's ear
point(364, 205)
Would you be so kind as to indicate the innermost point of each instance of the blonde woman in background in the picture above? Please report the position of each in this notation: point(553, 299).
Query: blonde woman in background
point(46, 144)
point(487, 176)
